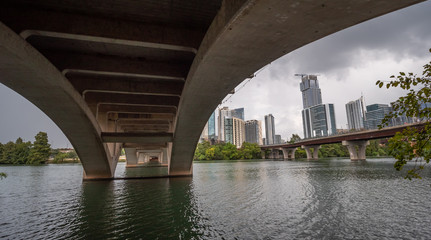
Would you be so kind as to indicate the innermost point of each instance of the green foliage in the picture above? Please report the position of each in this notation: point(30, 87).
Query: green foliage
point(333, 150)
point(21, 152)
point(41, 149)
point(2, 175)
point(226, 151)
point(411, 145)
point(294, 138)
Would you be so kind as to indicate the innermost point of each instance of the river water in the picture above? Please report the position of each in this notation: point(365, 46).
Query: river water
point(325, 199)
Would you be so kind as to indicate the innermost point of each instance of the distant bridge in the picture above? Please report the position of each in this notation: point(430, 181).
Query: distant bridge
point(355, 142)
point(146, 75)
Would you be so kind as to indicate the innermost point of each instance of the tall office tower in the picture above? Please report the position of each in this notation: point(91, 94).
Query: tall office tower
point(375, 113)
point(222, 114)
point(234, 131)
point(311, 94)
point(209, 130)
point(269, 129)
point(277, 139)
point(319, 121)
point(238, 113)
point(253, 131)
point(204, 134)
point(211, 126)
point(355, 111)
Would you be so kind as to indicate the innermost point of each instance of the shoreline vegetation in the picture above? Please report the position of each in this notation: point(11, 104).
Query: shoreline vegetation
point(40, 152)
point(227, 151)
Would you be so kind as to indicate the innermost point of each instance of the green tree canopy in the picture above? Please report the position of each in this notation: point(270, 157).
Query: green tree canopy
point(41, 149)
point(411, 145)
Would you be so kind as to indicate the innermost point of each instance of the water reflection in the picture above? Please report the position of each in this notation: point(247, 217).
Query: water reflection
point(325, 199)
point(149, 209)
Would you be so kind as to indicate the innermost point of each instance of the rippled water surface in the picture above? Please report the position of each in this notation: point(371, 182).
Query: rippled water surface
point(325, 199)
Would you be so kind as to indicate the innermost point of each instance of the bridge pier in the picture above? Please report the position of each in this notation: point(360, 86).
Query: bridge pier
point(131, 157)
point(359, 153)
point(289, 153)
point(315, 154)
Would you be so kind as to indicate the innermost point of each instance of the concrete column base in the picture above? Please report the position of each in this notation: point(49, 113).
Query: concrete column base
point(359, 153)
point(289, 153)
point(315, 154)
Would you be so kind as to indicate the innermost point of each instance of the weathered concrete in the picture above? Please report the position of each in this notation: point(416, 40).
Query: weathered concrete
point(244, 37)
point(288, 153)
point(312, 155)
point(85, 64)
point(131, 157)
point(356, 149)
point(26, 71)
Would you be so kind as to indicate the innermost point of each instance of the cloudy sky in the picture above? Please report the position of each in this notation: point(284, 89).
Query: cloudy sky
point(348, 64)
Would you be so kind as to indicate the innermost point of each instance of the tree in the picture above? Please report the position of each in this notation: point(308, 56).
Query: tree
point(41, 149)
point(21, 152)
point(411, 145)
point(250, 151)
point(294, 138)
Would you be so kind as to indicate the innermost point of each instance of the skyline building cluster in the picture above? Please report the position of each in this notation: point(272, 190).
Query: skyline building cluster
point(318, 119)
point(369, 117)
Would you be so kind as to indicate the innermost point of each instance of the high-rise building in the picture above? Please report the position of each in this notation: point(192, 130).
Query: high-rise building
point(209, 130)
point(319, 121)
point(211, 126)
point(355, 111)
point(277, 139)
point(224, 113)
point(269, 129)
point(253, 131)
point(238, 113)
point(311, 94)
point(234, 131)
point(375, 114)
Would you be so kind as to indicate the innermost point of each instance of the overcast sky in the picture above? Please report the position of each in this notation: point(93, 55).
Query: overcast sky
point(348, 64)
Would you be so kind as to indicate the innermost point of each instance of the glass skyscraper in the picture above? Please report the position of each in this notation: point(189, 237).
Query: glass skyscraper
point(269, 129)
point(355, 111)
point(375, 114)
point(311, 94)
point(318, 119)
point(211, 126)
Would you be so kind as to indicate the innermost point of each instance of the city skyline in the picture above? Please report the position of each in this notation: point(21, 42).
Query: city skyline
point(348, 63)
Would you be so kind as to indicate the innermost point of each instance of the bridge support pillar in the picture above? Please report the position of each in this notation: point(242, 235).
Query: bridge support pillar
point(289, 153)
point(131, 157)
point(315, 154)
point(262, 154)
point(356, 149)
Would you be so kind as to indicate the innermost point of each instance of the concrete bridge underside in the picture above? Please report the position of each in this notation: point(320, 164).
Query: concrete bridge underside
point(148, 74)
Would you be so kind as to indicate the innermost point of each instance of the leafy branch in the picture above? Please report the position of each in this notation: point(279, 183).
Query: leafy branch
point(412, 144)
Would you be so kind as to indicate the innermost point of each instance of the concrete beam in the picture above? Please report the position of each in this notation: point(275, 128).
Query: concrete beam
point(130, 99)
point(136, 109)
point(143, 146)
point(122, 85)
point(141, 138)
point(20, 19)
point(66, 61)
point(139, 121)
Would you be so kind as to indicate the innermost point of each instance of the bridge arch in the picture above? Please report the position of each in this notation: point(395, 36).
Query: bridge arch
point(87, 68)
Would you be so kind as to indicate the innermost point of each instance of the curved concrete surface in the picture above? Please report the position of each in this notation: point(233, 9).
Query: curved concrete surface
point(244, 37)
point(26, 71)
